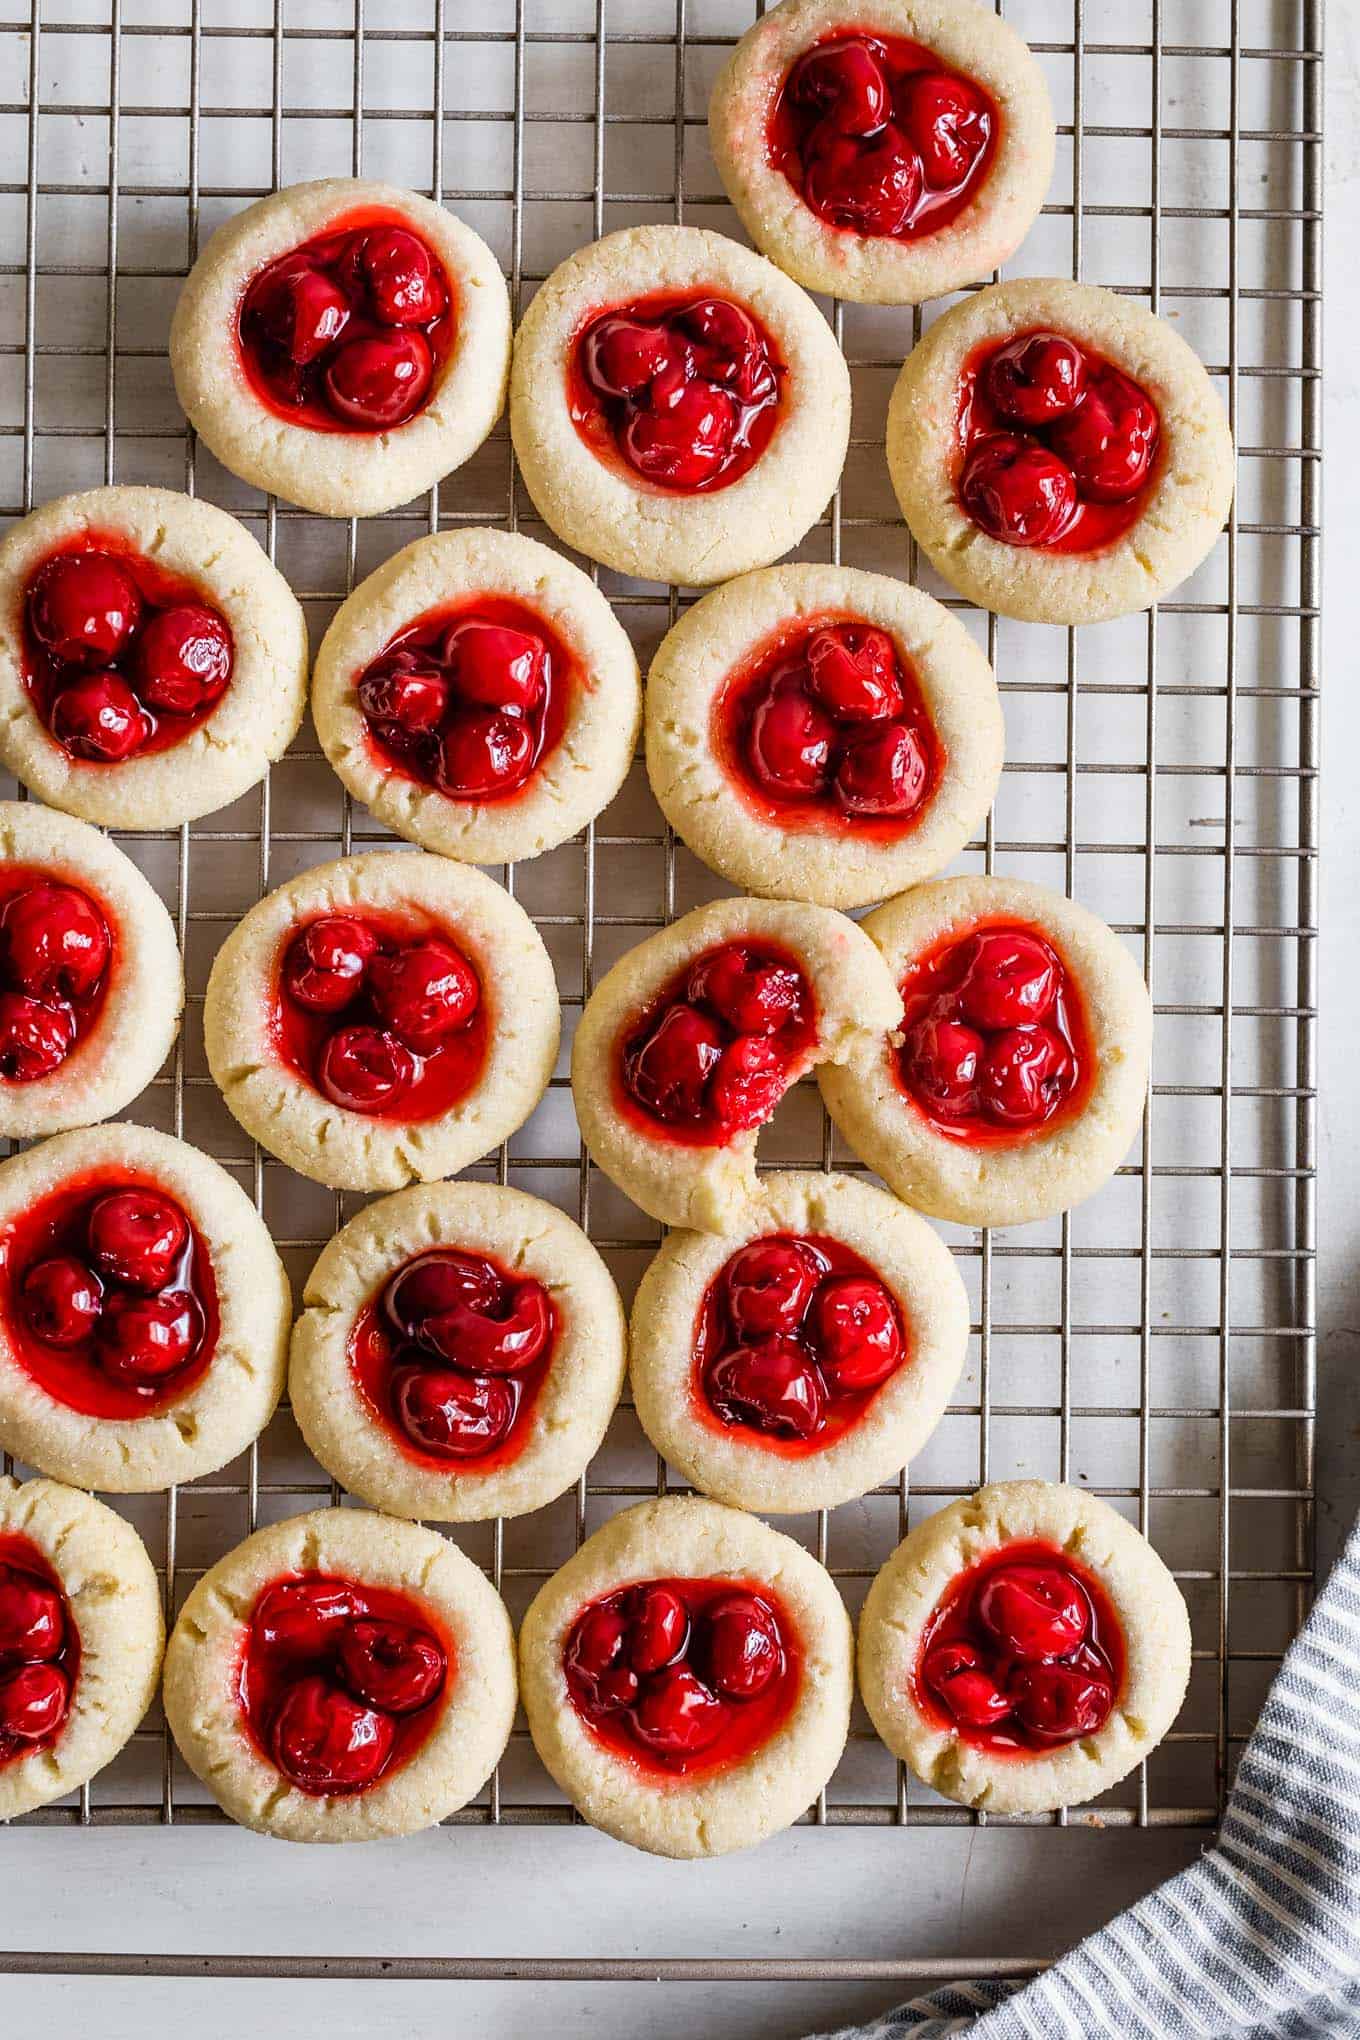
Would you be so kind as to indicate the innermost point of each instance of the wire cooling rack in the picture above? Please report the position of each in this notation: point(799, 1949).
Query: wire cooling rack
point(1156, 1345)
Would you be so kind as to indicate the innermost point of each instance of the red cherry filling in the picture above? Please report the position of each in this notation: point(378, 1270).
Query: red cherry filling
point(469, 698)
point(108, 1298)
point(793, 1340)
point(717, 1049)
point(684, 1676)
point(1023, 1652)
point(338, 1681)
point(384, 1020)
point(347, 332)
point(878, 139)
point(39, 1650)
point(451, 1357)
point(995, 1041)
point(120, 658)
point(683, 391)
point(1057, 445)
point(825, 727)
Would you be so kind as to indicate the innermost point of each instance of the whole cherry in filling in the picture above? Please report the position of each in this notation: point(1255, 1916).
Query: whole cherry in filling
point(469, 699)
point(1058, 445)
point(39, 1650)
point(716, 1050)
point(109, 1298)
point(684, 390)
point(382, 1018)
point(347, 332)
point(879, 138)
point(339, 1681)
point(55, 951)
point(794, 1338)
point(995, 1039)
point(826, 726)
point(684, 1675)
point(451, 1356)
point(1024, 1652)
point(121, 658)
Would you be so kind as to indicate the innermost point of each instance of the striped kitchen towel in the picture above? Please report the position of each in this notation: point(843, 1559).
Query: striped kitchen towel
point(1262, 1935)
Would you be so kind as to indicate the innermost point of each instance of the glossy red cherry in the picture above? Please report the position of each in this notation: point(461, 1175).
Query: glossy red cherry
point(424, 992)
point(854, 676)
point(597, 1640)
point(401, 278)
point(748, 1083)
point(882, 771)
point(363, 1069)
point(326, 963)
point(1017, 490)
point(790, 743)
point(33, 1702)
point(1036, 378)
point(434, 1282)
point(770, 1284)
point(741, 1645)
point(1011, 979)
point(54, 939)
point(677, 1715)
point(144, 1338)
point(100, 718)
point(404, 704)
point(729, 349)
point(658, 1627)
point(485, 753)
point(954, 1673)
point(1058, 1703)
point(858, 1333)
point(670, 1072)
point(872, 187)
point(381, 379)
point(392, 1665)
point(83, 607)
point(326, 1742)
point(137, 1236)
point(1026, 1072)
point(300, 310)
point(496, 666)
point(621, 356)
point(1110, 438)
point(184, 659)
point(61, 1300)
point(772, 1385)
point(752, 997)
point(35, 1037)
point(482, 1344)
point(947, 123)
point(683, 438)
point(848, 78)
point(452, 1415)
point(32, 1619)
point(1034, 1611)
point(305, 1618)
point(944, 1064)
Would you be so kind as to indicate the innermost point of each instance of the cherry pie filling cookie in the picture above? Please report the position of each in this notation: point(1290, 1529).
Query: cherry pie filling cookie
point(994, 1042)
point(122, 659)
point(39, 1651)
point(57, 951)
point(469, 699)
point(1058, 448)
point(684, 1677)
point(348, 331)
point(379, 1016)
point(681, 390)
point(878, 138)
point(825, 727)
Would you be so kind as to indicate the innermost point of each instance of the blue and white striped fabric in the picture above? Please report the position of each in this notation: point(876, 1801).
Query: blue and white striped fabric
point(1262, 1935)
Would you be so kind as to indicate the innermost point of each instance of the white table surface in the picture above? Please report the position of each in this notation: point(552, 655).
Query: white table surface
point(844, 1892)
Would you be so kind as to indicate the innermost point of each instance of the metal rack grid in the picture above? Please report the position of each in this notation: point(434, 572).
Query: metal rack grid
point(1157, 1345)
